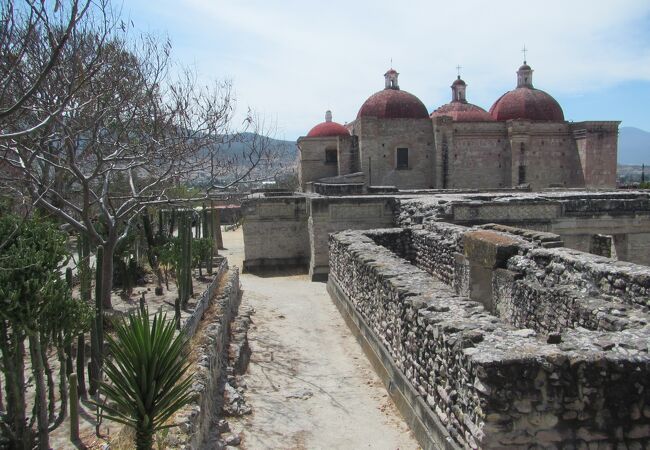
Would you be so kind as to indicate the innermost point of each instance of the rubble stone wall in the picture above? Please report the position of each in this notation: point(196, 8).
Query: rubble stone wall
point(195, 421)
point(494, 384)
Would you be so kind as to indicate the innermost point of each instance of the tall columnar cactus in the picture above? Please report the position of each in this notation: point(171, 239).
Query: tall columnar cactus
point(97, 337)
point(207, 234)
point(74, 408)
point(84, 290)
point(160, 223)
point(185, 263)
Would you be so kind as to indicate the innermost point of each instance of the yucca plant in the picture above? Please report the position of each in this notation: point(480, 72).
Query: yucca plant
point(148, 374)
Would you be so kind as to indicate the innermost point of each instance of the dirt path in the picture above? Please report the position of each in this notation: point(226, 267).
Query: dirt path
point(309, 383)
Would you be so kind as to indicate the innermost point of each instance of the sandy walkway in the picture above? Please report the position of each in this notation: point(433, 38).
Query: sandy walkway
point(309, 383)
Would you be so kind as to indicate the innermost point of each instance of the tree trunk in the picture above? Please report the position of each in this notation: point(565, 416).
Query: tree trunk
point(36, 353)
point(152, 252)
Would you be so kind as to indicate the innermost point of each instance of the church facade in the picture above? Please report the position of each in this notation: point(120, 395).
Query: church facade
point(522, 140)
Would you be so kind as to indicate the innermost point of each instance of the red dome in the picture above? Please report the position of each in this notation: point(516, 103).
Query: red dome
point(393, 104)
point(527, 103)
point(463, 112)
point(327, 129)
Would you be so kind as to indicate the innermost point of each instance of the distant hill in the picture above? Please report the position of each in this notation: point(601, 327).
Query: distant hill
point(633, 146)
point(287, 150)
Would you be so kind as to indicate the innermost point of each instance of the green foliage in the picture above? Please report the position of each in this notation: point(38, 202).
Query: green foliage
point(35, 303)
point(148, 375)
point(201, 250)
point(644, 185)
point(170, 253)
point(30, 272)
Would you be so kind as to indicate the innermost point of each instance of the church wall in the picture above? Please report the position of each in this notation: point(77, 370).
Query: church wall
point(312, 159)
point(597, 144)
point(476, 157)
point(378, 143)
point(553, 157)
point(547, 152)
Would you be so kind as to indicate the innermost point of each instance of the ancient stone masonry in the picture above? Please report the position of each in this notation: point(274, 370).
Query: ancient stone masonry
point(584, 221)
point(195, 421)
point(509, 343)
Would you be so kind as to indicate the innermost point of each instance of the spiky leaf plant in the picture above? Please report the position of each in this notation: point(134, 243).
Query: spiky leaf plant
point(148, 375)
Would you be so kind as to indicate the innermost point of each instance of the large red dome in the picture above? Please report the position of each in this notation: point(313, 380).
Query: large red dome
point(463, 112)
point(327, 129)
point(393, 104)
point(527, 103)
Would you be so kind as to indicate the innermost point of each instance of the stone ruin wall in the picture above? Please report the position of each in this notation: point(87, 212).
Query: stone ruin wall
point(578, 217)
point(559, 359)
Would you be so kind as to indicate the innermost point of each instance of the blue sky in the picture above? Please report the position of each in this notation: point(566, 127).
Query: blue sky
point(292, 60)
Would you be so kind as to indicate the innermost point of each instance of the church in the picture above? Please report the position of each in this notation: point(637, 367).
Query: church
point(522, 141)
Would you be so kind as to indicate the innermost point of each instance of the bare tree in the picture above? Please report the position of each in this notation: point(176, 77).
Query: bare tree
point(128, 135)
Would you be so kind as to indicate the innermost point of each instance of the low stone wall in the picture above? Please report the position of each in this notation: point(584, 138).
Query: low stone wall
point(576, 216)
point(493, 384)
point(590, 274)
point(204, 300)
point(195, 421)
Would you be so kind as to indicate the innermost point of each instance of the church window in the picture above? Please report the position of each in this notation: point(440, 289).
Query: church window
point(522, 174)
point(331, 156)
point(402, 159)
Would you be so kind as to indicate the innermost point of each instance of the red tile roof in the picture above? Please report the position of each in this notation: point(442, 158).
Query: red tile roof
point(393, 104)
point(527, 103)
point(326, 129)
point(463, 112)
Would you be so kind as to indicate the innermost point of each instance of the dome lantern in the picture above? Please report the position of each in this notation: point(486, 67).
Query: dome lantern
point(393, 103)
point(525, 76)
point(391, 79)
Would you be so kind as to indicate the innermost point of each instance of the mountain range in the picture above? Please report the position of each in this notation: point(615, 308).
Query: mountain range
point(633, 146)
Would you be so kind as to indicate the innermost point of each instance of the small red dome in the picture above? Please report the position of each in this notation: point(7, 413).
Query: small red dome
point(393, 104)
point(327, 129)
point(527, 103)
point(463, 112)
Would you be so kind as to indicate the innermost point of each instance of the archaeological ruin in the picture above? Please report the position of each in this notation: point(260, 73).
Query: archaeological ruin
point(496, 319)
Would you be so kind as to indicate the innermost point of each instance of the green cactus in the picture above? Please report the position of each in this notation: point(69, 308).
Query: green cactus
point(84, 288)
point(74, 408)
point(97, 336)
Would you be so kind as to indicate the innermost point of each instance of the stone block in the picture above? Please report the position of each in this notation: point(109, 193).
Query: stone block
point(489, 249)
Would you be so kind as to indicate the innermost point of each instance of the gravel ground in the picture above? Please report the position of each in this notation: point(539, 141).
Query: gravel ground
point(309, 384)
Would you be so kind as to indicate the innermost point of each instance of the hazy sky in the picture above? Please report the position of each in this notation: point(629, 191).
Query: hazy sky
point(292, 60)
